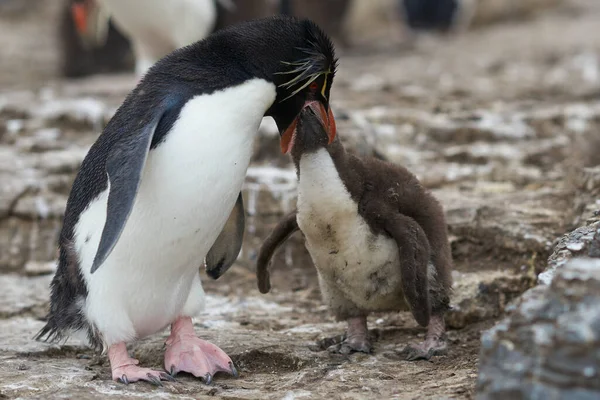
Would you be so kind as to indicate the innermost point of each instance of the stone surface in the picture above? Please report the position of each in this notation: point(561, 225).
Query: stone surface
point(268, 338)
point(32, 201)
point(584, 240)
point(480, 296)
point(577, 243)
point(20, 294)
point(549, 347)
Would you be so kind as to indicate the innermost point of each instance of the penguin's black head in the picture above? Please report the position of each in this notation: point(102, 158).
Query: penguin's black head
point(303, 78)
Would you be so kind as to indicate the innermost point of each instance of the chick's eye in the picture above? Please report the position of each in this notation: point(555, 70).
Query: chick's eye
point(313, 86)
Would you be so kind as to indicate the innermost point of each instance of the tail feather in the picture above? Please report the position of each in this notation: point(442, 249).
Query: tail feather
point(49, 333)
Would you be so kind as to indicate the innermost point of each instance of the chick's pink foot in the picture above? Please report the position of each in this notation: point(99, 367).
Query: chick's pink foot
point(188, 353)
point(125, 369)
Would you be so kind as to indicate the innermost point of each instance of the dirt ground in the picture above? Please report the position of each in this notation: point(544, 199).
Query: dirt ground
point(492, 121)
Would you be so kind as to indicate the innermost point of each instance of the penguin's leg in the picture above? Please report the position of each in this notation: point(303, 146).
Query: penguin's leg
point(434, 343)
point(125, 369)
point(424, 282)
point(356, 337)
point(439, 287)
point(435, 340)
point(188, 353)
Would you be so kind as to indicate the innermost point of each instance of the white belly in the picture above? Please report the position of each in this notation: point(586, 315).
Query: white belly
point(347, 255)
point(188, 188)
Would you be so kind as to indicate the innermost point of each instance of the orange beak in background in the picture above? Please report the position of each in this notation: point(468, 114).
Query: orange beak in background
point(326, 117)
point(79, 12)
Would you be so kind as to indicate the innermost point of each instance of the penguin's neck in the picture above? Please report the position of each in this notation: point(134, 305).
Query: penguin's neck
point(320, 184)
point(335, 151)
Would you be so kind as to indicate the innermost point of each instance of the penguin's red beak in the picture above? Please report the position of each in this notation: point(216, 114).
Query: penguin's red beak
point(91, 22)
point(327, 120)
point(79, 12)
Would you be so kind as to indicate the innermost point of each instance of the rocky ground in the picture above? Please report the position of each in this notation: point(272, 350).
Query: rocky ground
point(499, 122)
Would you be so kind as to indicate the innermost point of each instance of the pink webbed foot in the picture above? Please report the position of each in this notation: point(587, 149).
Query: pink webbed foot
point(125, 369)
point(188, 353)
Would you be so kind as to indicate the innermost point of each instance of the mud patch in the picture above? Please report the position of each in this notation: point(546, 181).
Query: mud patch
point(261, 361)
point(65, 351)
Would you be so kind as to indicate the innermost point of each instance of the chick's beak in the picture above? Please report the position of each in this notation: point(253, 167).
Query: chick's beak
point(326, 118)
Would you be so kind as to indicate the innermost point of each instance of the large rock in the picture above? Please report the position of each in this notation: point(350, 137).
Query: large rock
point(585, 240)
point(484, 295)
point(582, 241)
point(549, 348)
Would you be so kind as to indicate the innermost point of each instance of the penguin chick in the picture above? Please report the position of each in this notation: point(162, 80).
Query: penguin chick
point(377, 238)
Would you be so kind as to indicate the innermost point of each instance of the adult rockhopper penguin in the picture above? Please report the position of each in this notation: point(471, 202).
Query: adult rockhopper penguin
point(159, 191)
point(378, 238)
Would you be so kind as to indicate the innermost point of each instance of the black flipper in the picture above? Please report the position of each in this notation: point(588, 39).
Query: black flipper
point(413, 247)
point(414, 252)
point(124, 167)
point(226, 248)
point(282, 231)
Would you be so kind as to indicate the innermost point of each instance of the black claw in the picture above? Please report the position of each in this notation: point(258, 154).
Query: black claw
point(154, 380)
point(327, 343)
point(173, 372)
point(167, 377)
point(415, 354)
point(124, 379)
point(345, 349)
point(208, 378)
point(233, 370)
point(336, 348)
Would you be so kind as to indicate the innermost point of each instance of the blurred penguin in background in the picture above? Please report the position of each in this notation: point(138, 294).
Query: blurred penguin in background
point(80, 57)
point(92, 43)
point(441, 16)
point(154, 27)
point(106, 36)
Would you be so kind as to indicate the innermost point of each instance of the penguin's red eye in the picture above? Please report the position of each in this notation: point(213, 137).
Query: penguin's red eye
point(313, 86)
